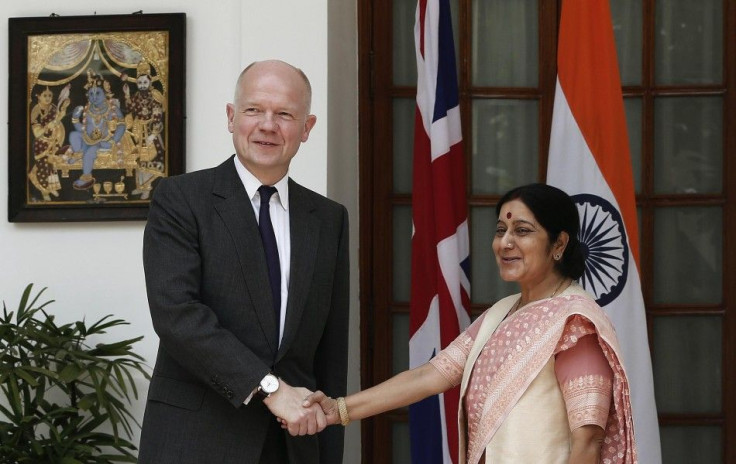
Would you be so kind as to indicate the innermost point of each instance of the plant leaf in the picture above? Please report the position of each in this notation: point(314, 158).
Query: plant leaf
point(21, 372)
point(15, 403)
point(22, 305)
point(70, 373)
point(120, 348)
point(70, 460)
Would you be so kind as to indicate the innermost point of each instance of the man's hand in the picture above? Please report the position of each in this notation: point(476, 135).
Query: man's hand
point(327, 404)
point(286, 404)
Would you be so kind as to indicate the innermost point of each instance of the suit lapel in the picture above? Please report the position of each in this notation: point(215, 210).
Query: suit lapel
point(236, 211)
point(304, 232)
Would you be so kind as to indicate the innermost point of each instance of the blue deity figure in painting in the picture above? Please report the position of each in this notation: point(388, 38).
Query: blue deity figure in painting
point(98, 125)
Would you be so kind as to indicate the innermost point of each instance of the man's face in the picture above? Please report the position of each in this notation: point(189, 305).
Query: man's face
point(269, 120)
point(143, 82)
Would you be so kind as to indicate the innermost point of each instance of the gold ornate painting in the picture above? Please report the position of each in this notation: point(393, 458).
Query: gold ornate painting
point(96, 114)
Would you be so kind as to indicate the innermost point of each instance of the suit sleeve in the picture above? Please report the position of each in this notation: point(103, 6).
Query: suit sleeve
point(189, 330)
point(331, 362)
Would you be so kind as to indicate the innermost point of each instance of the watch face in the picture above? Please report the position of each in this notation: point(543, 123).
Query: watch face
point(269, 384)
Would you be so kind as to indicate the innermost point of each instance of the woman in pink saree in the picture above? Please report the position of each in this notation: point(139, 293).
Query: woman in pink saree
point(540, 372)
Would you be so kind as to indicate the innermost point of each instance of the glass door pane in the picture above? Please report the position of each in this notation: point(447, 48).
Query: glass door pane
point(402, 225)
point(404, 58)
point(627, 29)
point(689, 445)
point(505, 43)
point(688, 255)
point(688, 374)
point(403, 143)
point(689, 42)
point(505, 145)
point(688, 145)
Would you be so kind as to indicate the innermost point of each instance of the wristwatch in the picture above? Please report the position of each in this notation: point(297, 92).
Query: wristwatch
point(269, 384)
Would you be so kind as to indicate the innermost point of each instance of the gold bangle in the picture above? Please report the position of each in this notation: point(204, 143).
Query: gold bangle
point(342, 409)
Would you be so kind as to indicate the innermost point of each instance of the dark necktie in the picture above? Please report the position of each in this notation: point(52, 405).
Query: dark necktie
point(269, 245)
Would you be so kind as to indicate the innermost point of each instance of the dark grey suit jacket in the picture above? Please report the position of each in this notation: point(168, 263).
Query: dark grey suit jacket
point(210, 303)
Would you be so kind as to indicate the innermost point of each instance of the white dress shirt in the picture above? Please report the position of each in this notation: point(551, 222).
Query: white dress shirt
point(279, 211)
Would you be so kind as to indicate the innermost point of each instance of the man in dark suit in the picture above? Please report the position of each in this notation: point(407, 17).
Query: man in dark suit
point(243, 320)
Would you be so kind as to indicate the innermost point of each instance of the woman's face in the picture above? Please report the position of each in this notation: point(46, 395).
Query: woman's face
point(45, 97)
point(521, 245)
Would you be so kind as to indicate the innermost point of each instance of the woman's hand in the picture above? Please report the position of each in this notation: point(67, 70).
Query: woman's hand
point(586, 444)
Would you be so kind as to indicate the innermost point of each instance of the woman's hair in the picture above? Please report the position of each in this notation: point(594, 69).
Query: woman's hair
point(556, 212)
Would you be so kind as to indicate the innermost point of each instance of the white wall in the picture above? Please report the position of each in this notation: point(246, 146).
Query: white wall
point(94, 269)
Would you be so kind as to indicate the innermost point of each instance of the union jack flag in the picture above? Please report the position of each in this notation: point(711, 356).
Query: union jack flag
point(440, 286)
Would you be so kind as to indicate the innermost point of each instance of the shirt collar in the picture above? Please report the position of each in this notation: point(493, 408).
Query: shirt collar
point(251, 184)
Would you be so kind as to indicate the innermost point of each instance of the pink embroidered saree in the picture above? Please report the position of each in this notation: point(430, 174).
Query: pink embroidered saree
point(512, 408)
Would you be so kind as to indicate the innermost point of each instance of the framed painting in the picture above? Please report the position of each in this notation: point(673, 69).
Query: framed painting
point(96, 114)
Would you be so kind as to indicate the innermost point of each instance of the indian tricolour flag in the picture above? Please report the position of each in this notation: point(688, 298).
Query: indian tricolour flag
point(589, 159)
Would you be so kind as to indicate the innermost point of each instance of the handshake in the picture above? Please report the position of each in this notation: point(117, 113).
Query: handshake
point(301, 411)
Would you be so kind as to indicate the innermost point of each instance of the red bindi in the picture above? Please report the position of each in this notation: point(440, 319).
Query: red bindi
point(508, 215)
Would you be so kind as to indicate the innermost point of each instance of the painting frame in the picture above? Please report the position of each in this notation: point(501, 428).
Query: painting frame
point(96, 111)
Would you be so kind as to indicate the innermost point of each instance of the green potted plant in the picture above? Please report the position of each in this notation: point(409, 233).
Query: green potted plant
point(64, 401)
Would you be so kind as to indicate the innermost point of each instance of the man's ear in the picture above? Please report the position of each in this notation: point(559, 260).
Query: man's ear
point(230, 111)
point(308, 125)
